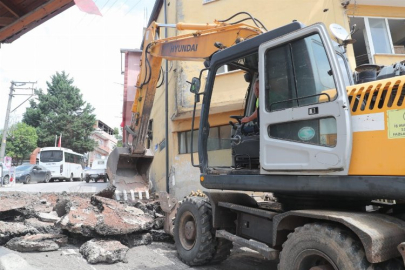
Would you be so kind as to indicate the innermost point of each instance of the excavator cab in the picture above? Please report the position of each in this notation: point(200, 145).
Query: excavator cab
point(304, 121)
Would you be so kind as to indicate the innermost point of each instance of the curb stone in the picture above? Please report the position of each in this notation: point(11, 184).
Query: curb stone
point(12, 261)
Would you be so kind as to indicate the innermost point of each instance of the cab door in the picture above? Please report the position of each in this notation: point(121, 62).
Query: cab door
point(305, 124)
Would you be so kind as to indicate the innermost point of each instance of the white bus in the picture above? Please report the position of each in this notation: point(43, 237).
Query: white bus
point(63, 163)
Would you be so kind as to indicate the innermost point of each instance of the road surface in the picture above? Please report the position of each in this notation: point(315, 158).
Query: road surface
point(81, 187)
point(157, 256)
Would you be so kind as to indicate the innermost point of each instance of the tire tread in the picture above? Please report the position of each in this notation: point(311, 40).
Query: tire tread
point(347, 241)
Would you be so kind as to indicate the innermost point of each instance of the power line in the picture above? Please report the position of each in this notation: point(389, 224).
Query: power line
point(85, 14)
point(100, 10)
point(132, 8)
point(110, 7)
point(122, 4)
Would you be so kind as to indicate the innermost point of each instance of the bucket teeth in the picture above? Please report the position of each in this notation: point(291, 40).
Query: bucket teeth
point(131, 195)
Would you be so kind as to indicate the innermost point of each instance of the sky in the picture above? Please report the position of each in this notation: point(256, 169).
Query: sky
point(85, 46)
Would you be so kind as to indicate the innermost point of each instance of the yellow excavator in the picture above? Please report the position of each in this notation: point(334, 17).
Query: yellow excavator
point(128, 166)
point(328, 144)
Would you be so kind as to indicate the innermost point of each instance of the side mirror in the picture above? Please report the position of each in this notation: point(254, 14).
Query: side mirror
point(195, 85)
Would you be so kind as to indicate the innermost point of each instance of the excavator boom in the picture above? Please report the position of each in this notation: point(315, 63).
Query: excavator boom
point(127, 167)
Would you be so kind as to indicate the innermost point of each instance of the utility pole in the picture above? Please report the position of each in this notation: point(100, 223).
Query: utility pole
point(14, 86)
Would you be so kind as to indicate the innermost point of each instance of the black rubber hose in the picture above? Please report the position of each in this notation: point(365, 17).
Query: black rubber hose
point(251, 17)
point(163, 77)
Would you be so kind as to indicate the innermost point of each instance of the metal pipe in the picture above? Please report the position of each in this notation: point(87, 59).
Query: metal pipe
point(166, 106)
point(189, 26)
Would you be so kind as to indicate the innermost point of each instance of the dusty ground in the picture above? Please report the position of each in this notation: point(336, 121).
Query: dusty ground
point(158, 255)
point(155, 256)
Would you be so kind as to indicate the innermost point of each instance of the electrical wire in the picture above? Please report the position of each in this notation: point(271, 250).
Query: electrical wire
point(85, 14)
point(105, 4)
point(110, 7)
point(122, 4)
point(132, 8)
point(100, 10)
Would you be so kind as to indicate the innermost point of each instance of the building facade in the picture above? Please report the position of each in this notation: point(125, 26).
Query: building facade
point(130, 68)
point(380, 39)
point(106, 142)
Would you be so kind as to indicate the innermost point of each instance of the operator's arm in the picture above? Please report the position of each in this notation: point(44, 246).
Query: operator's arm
point(252, 117)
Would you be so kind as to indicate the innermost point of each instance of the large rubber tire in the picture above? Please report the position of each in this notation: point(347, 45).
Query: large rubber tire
point(194, 246)
point(222, 250)
point(324, 244)
point(27, 179)
point(47, 178)
point(71, 178)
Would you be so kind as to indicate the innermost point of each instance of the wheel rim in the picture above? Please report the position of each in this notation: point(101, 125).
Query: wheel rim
point(6, 180)
point(28, 179)
point(187, 230)
point(47, 179)
point(312, 259)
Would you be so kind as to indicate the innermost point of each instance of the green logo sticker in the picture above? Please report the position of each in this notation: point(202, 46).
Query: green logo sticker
point(306, 133)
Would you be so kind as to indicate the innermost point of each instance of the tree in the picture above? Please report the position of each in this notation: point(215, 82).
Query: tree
point(21, 141)
point(62, 110)
point(118, 137)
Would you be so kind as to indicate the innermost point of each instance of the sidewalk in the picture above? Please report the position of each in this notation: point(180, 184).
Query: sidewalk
point(10, 260)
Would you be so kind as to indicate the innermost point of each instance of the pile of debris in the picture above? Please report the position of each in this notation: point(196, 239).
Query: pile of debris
point(104, 228)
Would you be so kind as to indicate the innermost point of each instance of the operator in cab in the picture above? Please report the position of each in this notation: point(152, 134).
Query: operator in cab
point(252, 128)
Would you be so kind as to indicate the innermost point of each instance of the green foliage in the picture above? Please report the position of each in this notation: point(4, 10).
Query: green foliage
point(118, 137)
point(62, 110)
point(21, 141)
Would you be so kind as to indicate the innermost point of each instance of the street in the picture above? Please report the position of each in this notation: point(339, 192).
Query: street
point(155, 256)
point(58, 187)
point(158, 255)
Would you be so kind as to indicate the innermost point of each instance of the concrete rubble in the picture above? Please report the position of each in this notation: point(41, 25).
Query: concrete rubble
point(37, 242)
point(102, 227)
point(9, 230)
point(103, 251)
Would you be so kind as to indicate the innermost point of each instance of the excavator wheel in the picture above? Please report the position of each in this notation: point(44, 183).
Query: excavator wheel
point(323, 246)
point(193, 234)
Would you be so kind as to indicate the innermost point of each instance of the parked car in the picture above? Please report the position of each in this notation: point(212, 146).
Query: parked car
point(98, 171)
point(6, 174)
point(32, 173)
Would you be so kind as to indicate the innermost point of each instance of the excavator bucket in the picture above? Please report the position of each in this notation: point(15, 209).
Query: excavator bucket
point(129, 173)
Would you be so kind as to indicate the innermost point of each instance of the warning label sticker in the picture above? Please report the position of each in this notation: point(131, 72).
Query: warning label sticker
point(396, 124)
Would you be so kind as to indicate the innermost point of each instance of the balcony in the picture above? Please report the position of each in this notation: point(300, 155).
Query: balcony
point(393, 3)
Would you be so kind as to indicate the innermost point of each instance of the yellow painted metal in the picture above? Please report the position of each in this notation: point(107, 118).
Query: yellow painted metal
point(195, 26)
point(380, 151)
point(196, 46)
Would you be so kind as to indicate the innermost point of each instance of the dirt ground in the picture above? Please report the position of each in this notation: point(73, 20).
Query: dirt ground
point(17, 208)
point(155, 256)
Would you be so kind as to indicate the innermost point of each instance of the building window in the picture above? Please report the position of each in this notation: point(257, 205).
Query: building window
point(219, 138)
point(377, 36)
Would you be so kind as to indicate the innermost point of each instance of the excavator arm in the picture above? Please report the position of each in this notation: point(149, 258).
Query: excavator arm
point(196, 46)
point(128, 167)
